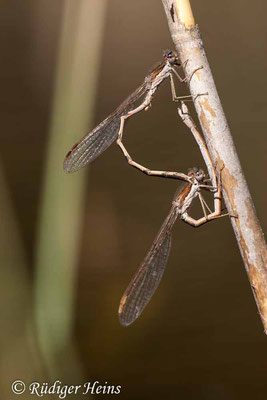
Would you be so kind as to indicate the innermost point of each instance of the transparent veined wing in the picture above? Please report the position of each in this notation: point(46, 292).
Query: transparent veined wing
point(148, 276)
point(101, 137)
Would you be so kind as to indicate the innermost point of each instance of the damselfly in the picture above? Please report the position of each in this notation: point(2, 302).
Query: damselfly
point(149, 274)
point(100, 138)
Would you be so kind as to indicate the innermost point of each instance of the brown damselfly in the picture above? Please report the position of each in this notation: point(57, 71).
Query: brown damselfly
point(148, 276)
point(101, 137)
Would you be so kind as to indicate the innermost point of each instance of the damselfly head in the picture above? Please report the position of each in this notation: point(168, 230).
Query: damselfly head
point(196, 173)
point(172, 57)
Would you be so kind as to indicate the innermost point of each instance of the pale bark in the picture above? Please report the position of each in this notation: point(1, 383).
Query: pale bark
point(186, 37)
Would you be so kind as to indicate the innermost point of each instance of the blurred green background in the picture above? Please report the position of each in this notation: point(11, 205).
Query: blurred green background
point(69, 244)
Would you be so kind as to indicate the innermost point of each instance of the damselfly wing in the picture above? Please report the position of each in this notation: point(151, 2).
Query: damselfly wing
point(100, 138)
point(148, 276)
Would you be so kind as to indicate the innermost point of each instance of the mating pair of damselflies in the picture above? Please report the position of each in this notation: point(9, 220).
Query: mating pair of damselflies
point(148, 276)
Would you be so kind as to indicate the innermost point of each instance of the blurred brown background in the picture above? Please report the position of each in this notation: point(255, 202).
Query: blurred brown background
point(201, 335)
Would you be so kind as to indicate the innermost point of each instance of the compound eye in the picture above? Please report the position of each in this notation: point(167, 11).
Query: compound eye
point(169, 54)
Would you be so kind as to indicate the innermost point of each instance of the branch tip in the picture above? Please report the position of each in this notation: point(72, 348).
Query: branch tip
point(185, 13)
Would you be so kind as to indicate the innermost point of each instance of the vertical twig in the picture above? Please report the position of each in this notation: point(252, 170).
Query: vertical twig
point(188, 43)
point(62, 197)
